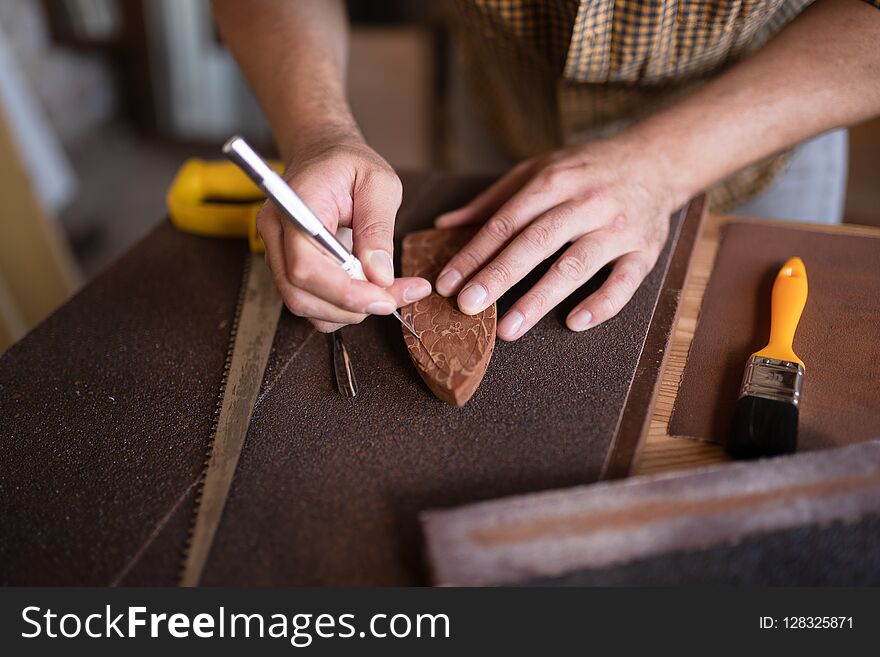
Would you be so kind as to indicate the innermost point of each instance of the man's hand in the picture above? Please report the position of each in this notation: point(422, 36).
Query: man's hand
point(612, 198)
point(294, 54)
point(606, 198)
point(345, 183)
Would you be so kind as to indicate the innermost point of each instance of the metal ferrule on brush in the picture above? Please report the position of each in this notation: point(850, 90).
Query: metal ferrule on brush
point(771, 378)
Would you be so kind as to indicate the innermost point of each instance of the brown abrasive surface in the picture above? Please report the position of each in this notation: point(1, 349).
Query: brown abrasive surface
point(105, 412)
point(636, 416)
point(451, 350)
point(837, 337)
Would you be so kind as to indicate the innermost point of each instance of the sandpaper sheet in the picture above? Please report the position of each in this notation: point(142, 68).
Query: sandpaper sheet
point(105, 412)
point(837, 338)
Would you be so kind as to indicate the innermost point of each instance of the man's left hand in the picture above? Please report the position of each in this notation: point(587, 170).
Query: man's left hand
point(607, 198)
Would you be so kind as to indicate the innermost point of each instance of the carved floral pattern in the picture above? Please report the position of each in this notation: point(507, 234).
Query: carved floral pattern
point(453, 349)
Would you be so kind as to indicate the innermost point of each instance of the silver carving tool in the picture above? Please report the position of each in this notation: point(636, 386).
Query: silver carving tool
point(293, 207)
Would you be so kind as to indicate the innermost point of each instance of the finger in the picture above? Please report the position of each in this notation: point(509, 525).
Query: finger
point(375, 201)
point(304, 304)
point(408, 290)
point(298, 301)
point(530, 202)
point(575, 267)
point(309, 269)
point(270, 230)
point(626, 276)
point(492, 198)
point(325, 327)
point(538, 241)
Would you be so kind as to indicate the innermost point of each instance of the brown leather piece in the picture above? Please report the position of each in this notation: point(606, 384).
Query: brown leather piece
point(837, 337)
point(106, 409)
point(452, 349)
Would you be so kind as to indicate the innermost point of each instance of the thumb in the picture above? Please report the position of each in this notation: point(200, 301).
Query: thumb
point(375, 201)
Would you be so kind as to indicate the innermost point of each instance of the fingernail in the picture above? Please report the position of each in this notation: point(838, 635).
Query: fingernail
point(447, 281)
point(580, 320)
point(511, 324)
point(380, 261)
point(472, 298)
point(417, 291)
point(380, 308)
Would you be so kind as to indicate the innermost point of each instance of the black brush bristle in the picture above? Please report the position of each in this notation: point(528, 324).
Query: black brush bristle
point(762, 427)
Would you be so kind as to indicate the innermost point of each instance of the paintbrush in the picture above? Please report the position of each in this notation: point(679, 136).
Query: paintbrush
point(766, 419)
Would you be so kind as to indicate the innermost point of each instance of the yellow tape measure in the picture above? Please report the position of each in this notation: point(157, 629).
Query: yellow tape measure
point(216, 199)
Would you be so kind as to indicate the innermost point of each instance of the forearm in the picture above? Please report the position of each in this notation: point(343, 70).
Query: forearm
point(294, 56)
point(819, 73)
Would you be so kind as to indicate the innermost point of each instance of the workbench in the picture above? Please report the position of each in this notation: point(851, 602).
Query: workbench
point(106, 409)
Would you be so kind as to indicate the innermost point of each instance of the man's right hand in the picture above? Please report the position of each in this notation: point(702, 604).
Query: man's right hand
point(345, 183)
point(293, 55)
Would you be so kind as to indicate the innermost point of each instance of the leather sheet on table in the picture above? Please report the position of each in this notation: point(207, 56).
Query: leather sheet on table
point(837, 338)
point(106, 410)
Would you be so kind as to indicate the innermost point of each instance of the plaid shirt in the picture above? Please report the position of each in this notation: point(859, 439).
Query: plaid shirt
point(581, 69)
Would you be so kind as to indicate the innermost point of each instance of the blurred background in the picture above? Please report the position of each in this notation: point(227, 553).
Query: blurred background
point(102, 100)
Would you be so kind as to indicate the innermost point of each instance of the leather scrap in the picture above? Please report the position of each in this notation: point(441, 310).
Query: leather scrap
point(453, 349)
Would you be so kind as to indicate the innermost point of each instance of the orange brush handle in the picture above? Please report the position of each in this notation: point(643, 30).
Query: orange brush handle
point(789, 298)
